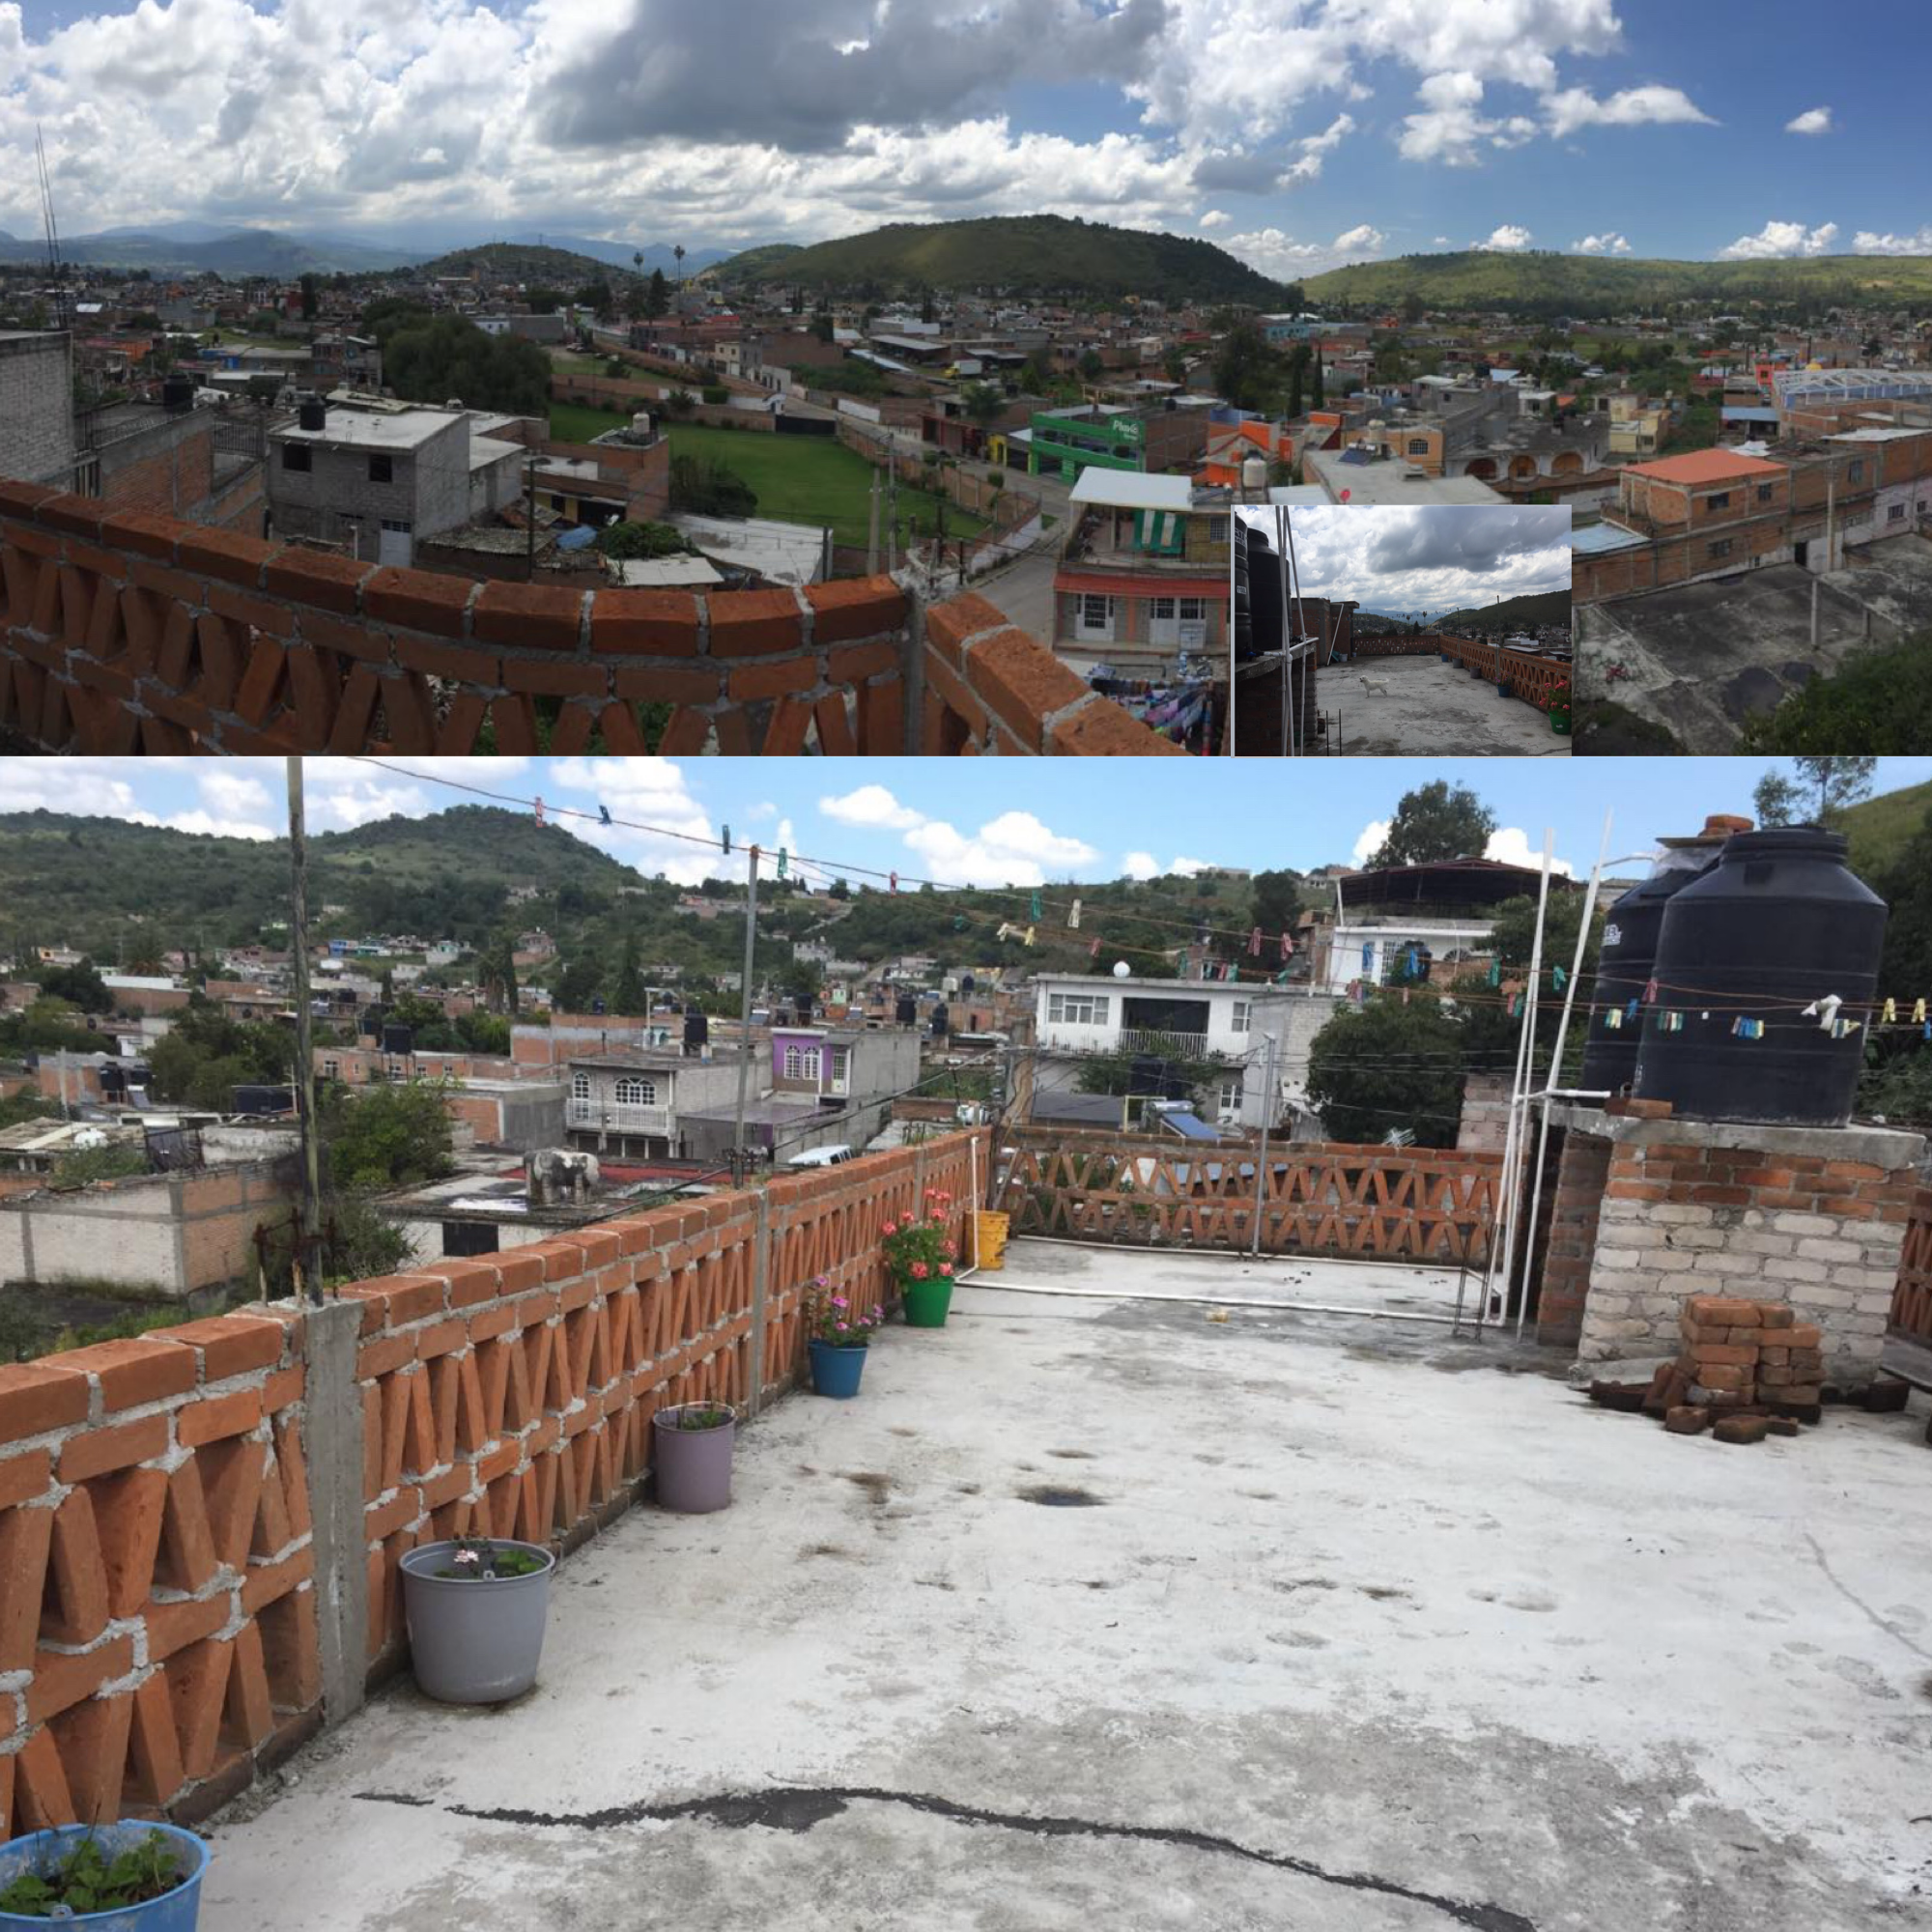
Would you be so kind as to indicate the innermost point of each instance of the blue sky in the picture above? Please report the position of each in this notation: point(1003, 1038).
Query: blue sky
point(1298, 133)
point(985, 822)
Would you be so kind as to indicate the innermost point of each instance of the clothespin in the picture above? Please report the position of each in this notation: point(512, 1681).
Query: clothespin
point(1649, 992)
point(1614, 1020)
point(1255, 944)
point(1004, 932)
point(725, 831)
point(537, 804)
point(958, 921)
point(892, 882)
point(1557, 976)
point(1073, 917)
point(1094, 950)
point(1635, 1005)
point(604, 813)
point(1029, 935)
point(1891, 1014)
point(1844, 1028)
point(1287, 946)
point(1825, 1010)
point(1409, 960)
point(1034, 908)
point(1918, 1012)
point(1495, 971)
point(1516, 1004)
point(1404, 996)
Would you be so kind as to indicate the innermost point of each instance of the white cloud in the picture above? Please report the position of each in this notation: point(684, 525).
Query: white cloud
point(235, 793)
point(1276, 252)
point(1015, 848)
point(1451, 127)
point(1609, 242)
point(1216, 218)
point(1777, 238)
point(662, 829)
point(1813, 121)
point(1185, 868)
point(1576, 107)
point(1316, 149)
point(1141, 865)
point(1369, 840)
point(1509, 845)
point(1366, 238)
point(1439, 242)
point(871, 805)
point(1508, 239)
point(1865, 242)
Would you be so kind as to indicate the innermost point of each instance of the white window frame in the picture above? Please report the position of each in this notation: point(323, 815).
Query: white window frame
point(1232, 1092)
point(1096, 630)
point(1076, 1009)
point(1241, 1016)
point(580, 1086)
point(840, 1069)
point(636, 1090)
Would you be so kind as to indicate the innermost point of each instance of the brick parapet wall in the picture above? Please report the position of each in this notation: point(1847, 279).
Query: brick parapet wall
point(1818, 1216)
point(1536, 682)
point(159, 1597)
point(1582, 1172)
point(127, 633)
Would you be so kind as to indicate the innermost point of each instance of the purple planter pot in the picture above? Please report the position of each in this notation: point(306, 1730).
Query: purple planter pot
point(694, 1465)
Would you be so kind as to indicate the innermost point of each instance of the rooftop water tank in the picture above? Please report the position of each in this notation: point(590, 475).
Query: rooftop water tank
point(640, 421)
point(1777, 925)
point(905, 1010)
point(312, 414)
point(1629, 953)
point(178, 392)
point(1254, 475)
point(697, 1029)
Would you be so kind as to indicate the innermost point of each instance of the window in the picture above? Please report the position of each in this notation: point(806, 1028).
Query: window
point(1722, 547)
point(1418, 445)
point(557, 503)
point(397, 524)
point(1076, 1009)
point(1193, 610)
point(1764, 493)
point(1161, 609)
point(330, 1070)
point(801, 1062)
point(632, 1091)
point(1243, 1011)
point(580, 1086)
point(1231, 1094)
point(840, 1066)
point(1856, 473)
point(1896, 513)
point(1720, 500)
point(382, 469)
point(1217, 529)
point(295, 456)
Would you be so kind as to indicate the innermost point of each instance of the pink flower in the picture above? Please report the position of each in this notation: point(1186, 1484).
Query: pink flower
point(840, 1301)
point(841, 1327)
point(467, 1556)
point(945, 1268)
point(918, 1270)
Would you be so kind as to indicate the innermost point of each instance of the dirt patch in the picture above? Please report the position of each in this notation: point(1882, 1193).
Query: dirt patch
point(877, 1488)
point(1050, 1495)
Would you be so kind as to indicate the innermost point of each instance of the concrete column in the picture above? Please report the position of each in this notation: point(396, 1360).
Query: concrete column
point(333, 1441)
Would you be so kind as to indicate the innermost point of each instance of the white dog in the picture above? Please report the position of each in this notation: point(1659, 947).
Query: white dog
point(1373, 684)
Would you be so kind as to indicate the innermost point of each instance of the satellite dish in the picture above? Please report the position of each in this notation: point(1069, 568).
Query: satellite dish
point(1122, 970)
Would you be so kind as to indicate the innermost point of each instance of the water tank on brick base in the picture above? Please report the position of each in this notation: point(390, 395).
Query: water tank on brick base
point(905, 1010)
point(400, 1040)
point(1777, 925)
point(696, 1028)
point(312, 414)
point(1629, 956)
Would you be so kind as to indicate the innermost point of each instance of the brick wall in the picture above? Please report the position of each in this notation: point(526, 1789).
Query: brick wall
point(1576, 1200)
point(161, 1610)
point(123, 632)
point(168, 468)
point(1816, 1216)
point(1910, 1311)
point(36, 407)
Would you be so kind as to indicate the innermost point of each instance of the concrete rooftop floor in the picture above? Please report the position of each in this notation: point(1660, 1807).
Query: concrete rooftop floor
point(1359, 1627)
point(1431, 706)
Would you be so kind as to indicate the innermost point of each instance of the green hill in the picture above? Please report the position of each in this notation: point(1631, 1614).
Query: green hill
point(750, 265)
point(1513, 613)
point(1486, 279)
point(1882, 827)
point(526, 262)
point(1034, 254)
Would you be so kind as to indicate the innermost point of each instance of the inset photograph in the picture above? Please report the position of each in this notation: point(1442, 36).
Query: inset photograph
point(1367, 632)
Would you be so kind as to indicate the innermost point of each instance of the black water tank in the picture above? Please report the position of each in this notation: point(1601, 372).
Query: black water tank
point(1777, 922)
point(178, 392)
point(1630, 957)
point(942, 1021)
point(312, 415)
point(398, 1038)
point(966, 983)
point(697, 1029)
point(1262, 572)
point(906, 1011)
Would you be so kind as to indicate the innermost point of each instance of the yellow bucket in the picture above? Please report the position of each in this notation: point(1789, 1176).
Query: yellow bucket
point(989, 1241)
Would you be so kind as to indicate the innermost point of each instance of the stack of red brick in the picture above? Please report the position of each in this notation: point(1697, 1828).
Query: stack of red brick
point(1745, 1369)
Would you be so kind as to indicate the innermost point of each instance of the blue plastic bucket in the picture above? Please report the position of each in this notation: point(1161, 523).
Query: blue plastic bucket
point(835, 1372)
point(174, 1911)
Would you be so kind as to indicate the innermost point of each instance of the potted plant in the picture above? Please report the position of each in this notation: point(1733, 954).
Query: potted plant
point(837, 1338)
point(692, 1444)
point(476, 1607)
point(919, 1252)
point(126, 1877)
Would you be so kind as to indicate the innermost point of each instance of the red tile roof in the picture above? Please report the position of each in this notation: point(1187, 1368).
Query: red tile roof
point(1704, 466)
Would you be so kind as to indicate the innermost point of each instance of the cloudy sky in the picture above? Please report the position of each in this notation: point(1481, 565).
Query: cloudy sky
point(954, 822)
point(1449, 557)
point(1298, 133)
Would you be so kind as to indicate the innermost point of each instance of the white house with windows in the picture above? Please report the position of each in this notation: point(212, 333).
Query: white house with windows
point(1228, 1026)
point(627, 1104)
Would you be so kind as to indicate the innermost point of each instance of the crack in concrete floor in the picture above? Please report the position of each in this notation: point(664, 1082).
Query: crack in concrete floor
point(798, 1807)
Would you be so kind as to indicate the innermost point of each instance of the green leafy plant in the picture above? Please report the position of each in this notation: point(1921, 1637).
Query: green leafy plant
point(704, 1415)
point(832, 1318)
point(84, 1879)
point(920, 1247)
point(475, 1559)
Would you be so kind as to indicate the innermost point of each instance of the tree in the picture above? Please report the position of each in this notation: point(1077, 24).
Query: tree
point(709, 489)
point(1879, 698)
point(433, 360)
point(388, 1134)
point(1387, 1067)
point(627, 983)
point(1246, 370)
point(657, 293)
point(596, 296)
point(308, 298)
point(927, 312)
point(841, 890)
point(1090, 365)
point(80, 986)
point(1315, 393)
point(822, 326)
point(1411, 307)
point(982, 404)
point(641, 540)
point(1436, 821)
point(541, 301)
point(1173, 365)
point(497, 974)
point(1818, 790)
point(577, 985)
point(1277, 899)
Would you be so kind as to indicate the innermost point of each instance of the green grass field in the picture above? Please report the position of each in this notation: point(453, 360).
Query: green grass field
point(811, 480)
point(1882, 827)
point(573, 422)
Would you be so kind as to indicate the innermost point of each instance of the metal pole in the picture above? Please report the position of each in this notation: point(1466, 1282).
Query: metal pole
point(872, 530)
point(1261, 1165)
point(307, 1261)
point(745, 1006)
point(1556, 1065)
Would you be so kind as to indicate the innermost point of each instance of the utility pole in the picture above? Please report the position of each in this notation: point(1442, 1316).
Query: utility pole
point(738, 1160)
point(307, 1267)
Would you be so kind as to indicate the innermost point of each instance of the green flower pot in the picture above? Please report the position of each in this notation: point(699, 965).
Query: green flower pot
point(926, 1302)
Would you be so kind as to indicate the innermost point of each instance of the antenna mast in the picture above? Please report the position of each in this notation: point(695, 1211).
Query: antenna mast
point(56, 268)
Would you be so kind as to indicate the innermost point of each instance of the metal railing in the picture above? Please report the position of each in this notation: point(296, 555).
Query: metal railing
point(617, 1116)
point(1138, 1039)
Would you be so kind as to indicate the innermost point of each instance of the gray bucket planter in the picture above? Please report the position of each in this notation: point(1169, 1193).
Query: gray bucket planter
point(694, 1465)
point(474, 1641)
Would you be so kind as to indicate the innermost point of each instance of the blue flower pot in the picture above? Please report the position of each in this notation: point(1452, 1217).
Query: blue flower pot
point(835, 1372)
point(173, 1912)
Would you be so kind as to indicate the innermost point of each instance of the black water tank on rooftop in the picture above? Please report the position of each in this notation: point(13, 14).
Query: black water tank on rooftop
point(696, 1028)
point(312, 414)
point(1777, 922)
point(1629, 956)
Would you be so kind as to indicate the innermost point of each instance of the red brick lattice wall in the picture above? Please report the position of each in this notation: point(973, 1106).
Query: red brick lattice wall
point(159, 1635)
point(1912, 1299)
point(129, 633)
point(1420, 1202)
point(1538, 683)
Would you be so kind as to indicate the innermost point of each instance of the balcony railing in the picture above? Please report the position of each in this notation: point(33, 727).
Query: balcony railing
point(1054, 1037)
point(617, 1116)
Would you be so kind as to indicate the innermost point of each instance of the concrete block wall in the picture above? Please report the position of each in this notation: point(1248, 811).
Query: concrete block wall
point(200, 1530)
point(125, 633)
point(36, 406)
point(1817, 1216)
